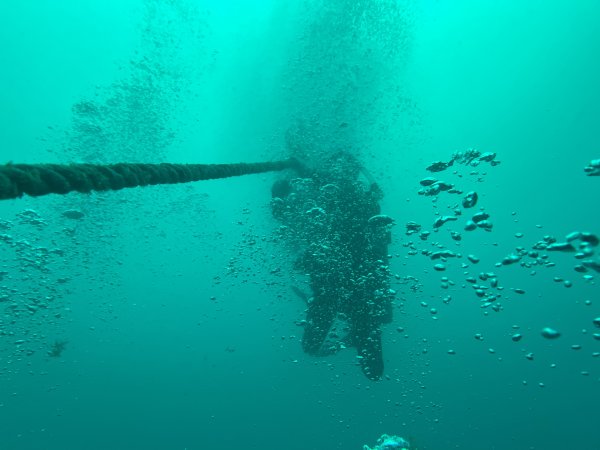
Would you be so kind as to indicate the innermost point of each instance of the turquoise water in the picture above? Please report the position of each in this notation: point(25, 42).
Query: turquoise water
point(163, 317)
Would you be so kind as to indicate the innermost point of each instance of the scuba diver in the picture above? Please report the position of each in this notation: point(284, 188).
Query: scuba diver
point(333, 220)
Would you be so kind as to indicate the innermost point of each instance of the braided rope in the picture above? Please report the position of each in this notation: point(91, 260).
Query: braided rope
point(41, 179)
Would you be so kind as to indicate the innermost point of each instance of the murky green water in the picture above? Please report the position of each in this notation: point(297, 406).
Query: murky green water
point(165, 317)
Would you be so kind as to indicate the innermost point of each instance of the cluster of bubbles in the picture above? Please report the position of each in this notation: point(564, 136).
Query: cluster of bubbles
point(343, 76)
point(133, 119)
point(593, 168)
point(386, 442)
point(34, 282)
point(485, 285)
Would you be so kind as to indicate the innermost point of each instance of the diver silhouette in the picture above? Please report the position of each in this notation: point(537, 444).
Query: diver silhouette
point(333, 219)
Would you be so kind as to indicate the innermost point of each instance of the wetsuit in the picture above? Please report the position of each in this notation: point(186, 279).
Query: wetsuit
point(333, 218)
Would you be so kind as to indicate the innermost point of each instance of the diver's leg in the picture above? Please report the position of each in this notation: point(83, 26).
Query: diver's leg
point(369, 349)
point(319, 319)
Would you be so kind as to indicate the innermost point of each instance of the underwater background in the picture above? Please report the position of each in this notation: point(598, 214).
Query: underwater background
point(165, 318)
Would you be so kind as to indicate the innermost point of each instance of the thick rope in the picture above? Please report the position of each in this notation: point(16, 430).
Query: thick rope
point(42, 179)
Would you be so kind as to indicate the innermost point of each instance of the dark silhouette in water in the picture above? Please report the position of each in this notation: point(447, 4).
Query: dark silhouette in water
point(334, 220)
point(57, 348)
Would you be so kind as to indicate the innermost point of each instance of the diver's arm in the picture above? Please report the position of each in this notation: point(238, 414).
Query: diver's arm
point(300, 166)
point(374, 187)
point(367, 175)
